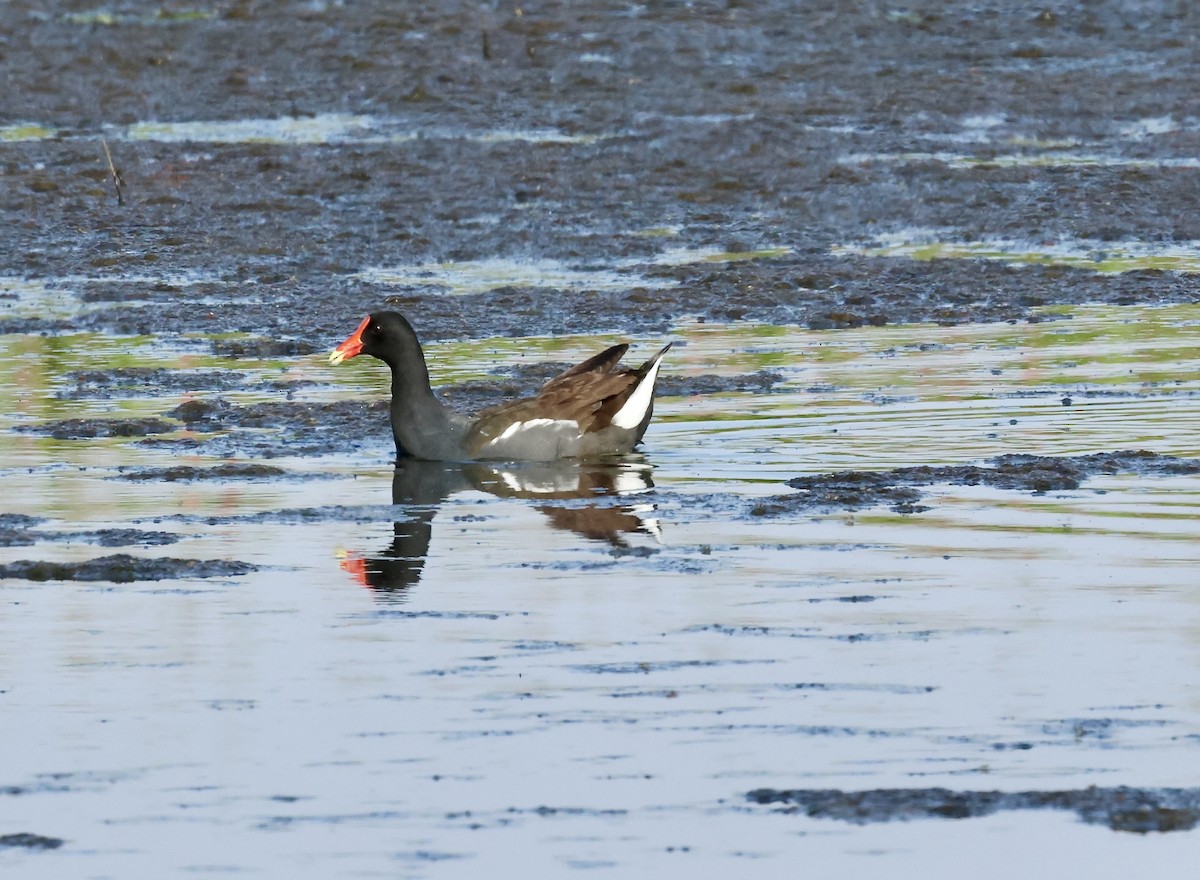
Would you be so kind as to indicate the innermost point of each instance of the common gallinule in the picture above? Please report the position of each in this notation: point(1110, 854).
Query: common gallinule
point(592, 409)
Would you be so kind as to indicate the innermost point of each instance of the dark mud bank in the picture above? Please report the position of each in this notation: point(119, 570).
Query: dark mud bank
point(1138, 810)
point(900, 488)
point(217, 426)
point(26, 840)
point(123, 569)
point(673, 127)
point(17, 530)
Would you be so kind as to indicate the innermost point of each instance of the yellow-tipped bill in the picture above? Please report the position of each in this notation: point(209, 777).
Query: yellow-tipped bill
point(352, 346)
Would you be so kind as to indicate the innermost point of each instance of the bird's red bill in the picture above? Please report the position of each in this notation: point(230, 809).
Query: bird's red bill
point(352, 346)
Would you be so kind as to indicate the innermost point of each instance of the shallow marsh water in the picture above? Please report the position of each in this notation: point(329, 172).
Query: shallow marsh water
point(489, 670)
point(227, 651)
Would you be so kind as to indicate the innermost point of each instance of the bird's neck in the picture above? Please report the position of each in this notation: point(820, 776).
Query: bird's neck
point(423, 426)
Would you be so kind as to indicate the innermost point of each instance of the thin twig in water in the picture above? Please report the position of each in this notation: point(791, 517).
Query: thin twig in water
point(114, 174)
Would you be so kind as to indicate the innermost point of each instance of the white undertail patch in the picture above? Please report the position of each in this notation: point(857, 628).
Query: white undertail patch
point(634, 410)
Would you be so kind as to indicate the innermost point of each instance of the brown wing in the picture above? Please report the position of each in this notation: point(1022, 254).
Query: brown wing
point(605, 362)
point(585, 398)
point(589, 393)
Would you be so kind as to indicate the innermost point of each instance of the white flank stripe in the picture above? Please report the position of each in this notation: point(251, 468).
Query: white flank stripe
point(519, 427)
point(634, 410)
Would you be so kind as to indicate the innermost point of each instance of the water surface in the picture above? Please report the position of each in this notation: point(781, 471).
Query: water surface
point(592, 670)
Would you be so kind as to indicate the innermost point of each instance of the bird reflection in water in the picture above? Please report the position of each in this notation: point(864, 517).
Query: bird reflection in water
point(420, 488)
